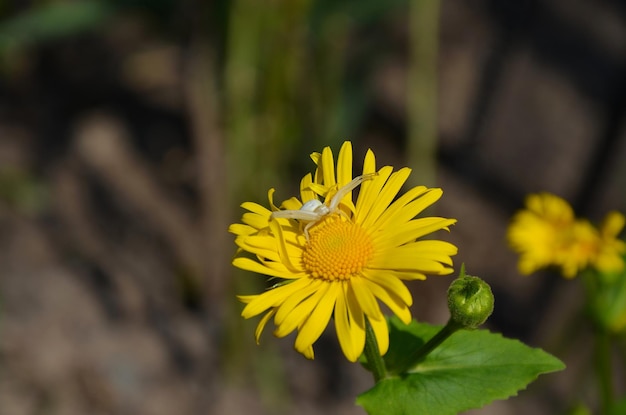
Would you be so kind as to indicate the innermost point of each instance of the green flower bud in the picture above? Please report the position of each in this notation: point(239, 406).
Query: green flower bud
point(470, 301)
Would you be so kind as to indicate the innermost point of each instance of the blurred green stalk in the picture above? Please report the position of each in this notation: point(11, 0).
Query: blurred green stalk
point(263, 67)
point(422, 89)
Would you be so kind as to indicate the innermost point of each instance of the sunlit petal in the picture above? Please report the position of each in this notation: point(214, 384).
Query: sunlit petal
point(381, 332)
point(317, 321)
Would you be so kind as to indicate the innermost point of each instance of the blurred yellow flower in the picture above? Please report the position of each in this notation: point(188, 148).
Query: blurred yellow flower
point(547, 233)
point(534, 231)
point(338, 258)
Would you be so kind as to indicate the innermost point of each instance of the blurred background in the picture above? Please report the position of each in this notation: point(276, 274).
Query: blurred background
point(131, 130)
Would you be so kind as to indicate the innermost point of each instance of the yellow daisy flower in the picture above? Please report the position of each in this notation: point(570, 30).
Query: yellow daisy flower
point(535, 233)
point(547, 233)
point(337, 258)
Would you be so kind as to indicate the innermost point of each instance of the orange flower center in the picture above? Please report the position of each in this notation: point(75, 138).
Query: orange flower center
point(337, 249)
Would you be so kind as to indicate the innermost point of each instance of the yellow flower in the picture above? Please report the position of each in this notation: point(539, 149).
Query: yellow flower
point(342, 263)
point(535, 232)
point(547, 233)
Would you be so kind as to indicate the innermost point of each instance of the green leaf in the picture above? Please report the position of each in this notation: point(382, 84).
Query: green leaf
point(468, 370)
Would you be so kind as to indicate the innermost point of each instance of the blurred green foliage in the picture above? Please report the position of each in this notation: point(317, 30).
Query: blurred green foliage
point(50, 21)
point(23, 191)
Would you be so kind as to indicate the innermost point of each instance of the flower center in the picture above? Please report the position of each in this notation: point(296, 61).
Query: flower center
point(337, 249)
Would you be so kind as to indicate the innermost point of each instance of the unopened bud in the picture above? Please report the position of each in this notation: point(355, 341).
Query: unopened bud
point(470, 301)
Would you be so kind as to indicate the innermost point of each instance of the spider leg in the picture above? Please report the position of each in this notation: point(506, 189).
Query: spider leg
point(350, 186)
point(296, 214)
point(306, 231)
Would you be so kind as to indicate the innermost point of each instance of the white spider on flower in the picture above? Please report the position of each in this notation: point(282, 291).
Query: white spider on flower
point(314, 210)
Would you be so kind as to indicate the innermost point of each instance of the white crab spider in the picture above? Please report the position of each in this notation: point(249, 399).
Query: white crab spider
point(314, 210)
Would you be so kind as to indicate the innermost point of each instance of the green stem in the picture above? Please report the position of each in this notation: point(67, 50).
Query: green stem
point(449, 329)
point(602, 338)
point(374, 359)
point(422, 88)
point(603, 369)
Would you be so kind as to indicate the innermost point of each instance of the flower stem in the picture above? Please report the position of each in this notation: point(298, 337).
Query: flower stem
point(446, 331)
point(374, 359)
point(423, 89)
point(603, 369)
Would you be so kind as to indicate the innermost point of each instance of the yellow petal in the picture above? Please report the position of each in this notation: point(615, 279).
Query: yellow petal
point(366, 299)
point(308, 353)
point(255, 220)
point(307, 287)
point(405, 275)
point(391, 283)
point(369, 164)
point(251, 265)
point(403, 260)
point(411, 210)
point(381, 332)
point(268, 299)
point(393, 301)
point(247, 298)
point(282, 248)
point(270, 198)
point(369, 192)
point(300, 313)
point(293, 203)
point(613, 224)
point(261, 325)
point(305, 191)
point(281, 268)
point(241, 229)
point(412, 230)
point(349, 345)
point(263, 246)
point(439, 251)
point(344, 172)
point(327, 167)
point(319, 189)
point(398, 211)
point(256, 208)
point(344, 164)
point(415, 207)
point(609, 262)
point(350, 333)
point(386, 195)
point(317, 321)
point(315, 156)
